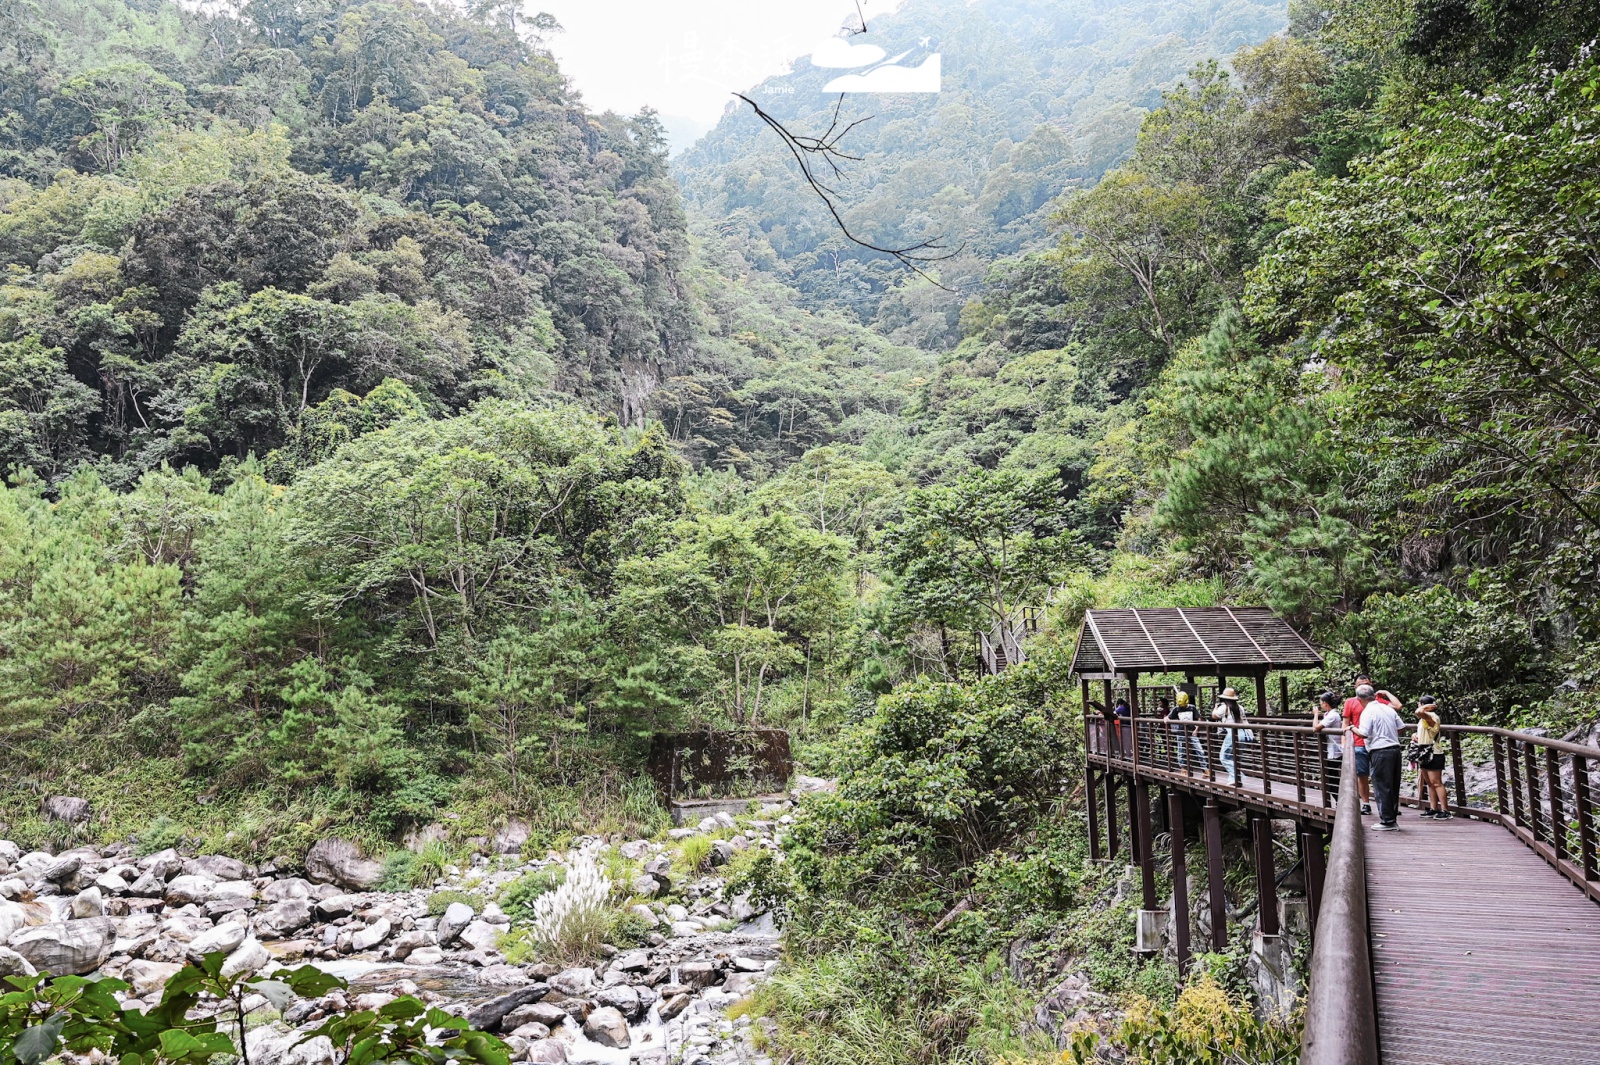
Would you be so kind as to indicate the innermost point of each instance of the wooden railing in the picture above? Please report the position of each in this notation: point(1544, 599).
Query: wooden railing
point(1341, 1025)
point(1283, 764)
point(1544, 792)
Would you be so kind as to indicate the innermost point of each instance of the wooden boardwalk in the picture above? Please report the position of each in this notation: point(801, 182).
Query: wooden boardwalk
point(1481, 952)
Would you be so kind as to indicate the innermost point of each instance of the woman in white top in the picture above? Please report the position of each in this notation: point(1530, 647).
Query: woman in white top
point(1227, 709)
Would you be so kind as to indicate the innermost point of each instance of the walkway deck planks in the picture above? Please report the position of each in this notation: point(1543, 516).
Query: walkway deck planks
point(1482, 955)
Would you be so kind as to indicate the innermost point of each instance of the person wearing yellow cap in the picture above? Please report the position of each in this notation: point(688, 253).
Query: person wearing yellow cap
point(1187, 741)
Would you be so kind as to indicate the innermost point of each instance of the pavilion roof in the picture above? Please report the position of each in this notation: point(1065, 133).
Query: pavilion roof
point(1234, 641)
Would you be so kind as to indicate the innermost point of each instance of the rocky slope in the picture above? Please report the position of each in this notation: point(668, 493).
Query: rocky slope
point(104, 910)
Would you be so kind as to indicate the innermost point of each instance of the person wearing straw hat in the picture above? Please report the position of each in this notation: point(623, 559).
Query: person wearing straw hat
point(1227, 709)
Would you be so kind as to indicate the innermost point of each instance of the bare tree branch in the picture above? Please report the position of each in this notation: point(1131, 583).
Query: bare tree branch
point(813, 152)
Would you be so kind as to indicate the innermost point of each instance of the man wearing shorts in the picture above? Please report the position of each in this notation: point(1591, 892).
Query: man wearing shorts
point(1352, 717)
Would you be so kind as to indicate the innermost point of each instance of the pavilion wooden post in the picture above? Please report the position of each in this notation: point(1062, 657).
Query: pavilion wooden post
point(1147, 862)
point(1090, 783)
point(1180, 880)
point(1112, 842)
point(1266, 877)
point(1283, 693)
point(1313, 862)
point(1214, 875)
point(1113, 726)
point(1261, 695)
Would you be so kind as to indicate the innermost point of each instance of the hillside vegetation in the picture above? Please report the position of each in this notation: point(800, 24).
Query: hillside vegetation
point(385, 440)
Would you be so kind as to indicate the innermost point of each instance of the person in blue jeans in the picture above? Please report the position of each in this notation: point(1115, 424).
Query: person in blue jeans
point(1227, 709)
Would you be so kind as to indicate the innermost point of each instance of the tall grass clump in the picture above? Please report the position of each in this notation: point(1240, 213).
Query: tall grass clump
point(571, 922)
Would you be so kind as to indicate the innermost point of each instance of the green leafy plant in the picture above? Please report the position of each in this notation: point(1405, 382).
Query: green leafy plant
point(517, 898)
point(440, 901)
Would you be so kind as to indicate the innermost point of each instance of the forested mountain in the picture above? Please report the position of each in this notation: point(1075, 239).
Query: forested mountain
point(214, 224)
point(1038, 96)
point(386, 443)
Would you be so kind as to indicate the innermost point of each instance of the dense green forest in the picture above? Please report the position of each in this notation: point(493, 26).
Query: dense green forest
point(386, 434)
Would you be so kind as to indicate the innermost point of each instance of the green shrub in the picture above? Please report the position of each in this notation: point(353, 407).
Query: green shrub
point(694, 855)
point(517, 897)
point(440, 901)
point(160, 834)
point(628, 929)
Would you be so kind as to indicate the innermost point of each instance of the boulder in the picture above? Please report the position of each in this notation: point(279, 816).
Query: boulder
point(456, 917)
point(10, 853)
point(111, 883)
point(224, 937)
point(480, 935)
point(281, 890)
point(406, 942)
point(163, 865)
point(12, 917)
point(510, 838)
point(645, 914)
point(248, 957)
point(182, 890)
point(338, 861)
point(61, 868)
point(486, 1016)
point(623, 999)
point(148, 977)
point(551, 1016)
point(284, 918)
point(527, 1032)
point(674, 1006)
point(502, 975)
point(423, 956)
point(721, 852)
point(698, 973)
point(14, 964)
point(606, 1027)
point(334, 907)
point(66, 948)
point(219, 868)
point(575, 982)
point(89, 903)
point(646, 886)
point(546, 1052)
point(147, 886)
point(68, 808)
point(741, 984)
point(634, 961)
point(372, 935)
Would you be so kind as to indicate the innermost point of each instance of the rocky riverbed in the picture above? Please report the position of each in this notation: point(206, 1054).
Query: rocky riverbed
point(107, 911)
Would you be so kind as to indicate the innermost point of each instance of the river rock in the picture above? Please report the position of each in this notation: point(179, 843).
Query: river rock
point(425, 956)
point(284, 918)
point(224, 937)
point(741, 984)
point(14, 964)
point(66, 808)
point(182, 890)
point(634, 961)
point(218, 867)
point(547, 1014)
point(546, 1052)
point(163, 865)
point(336, 906)
point(10, 853)
point(674, 1006)
point(529, 1032)
point(13, 915)
point(623, 999)
point(372, 935)
point(288, 888)
point(502, 975)
point(248, 957)
point(480, 935)
point(66, 948)
point(147, 977)
point(406, 942)
point(486, 1016)
point(512, 836)
point(698, 973)
point(88, 903)
point(338, 861)
point(606, 1027)
point(575, 982)
point(454, 921)
point(646, 886)
point(111, 883)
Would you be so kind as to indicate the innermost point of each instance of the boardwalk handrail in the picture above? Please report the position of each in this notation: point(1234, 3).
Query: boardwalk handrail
point(1341, 1026)
point(1545, 795)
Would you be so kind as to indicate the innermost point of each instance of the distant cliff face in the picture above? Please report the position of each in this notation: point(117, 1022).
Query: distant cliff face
point(1036, 96)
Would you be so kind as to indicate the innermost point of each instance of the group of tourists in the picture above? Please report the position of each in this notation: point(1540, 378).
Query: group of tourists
point(1370, 722)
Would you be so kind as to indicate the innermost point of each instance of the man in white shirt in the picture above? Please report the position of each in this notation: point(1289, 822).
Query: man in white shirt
point(1380, 728)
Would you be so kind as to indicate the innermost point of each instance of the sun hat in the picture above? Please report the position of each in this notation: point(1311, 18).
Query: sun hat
point(1230, 694)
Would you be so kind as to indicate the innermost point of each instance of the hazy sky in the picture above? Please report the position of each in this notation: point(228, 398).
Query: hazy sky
point(683, 57)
